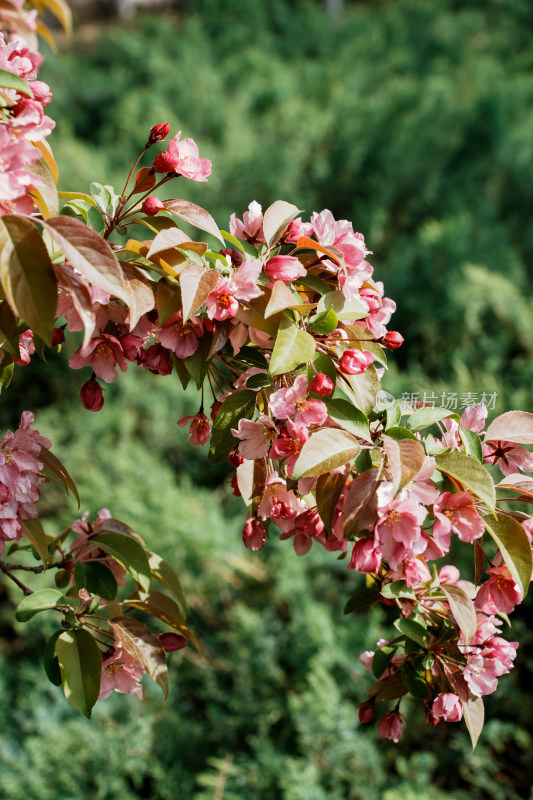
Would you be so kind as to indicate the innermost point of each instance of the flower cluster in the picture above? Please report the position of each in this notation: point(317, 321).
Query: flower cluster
point(20, 477)
point(24, 124)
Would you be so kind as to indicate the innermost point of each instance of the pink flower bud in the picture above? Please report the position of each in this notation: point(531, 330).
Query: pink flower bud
point(152, 206)
point(254, 534)
point(159, 132)
point(322, 385)
point(235, 459)
point(235, 486)
point(172, 641)
point(284, 268)
point(355, 362)
point(5, 493)
point(366, 712)
point(391, 726)
point(91, 395)
point(448, 706)
point(392, 340)
point(58, 336)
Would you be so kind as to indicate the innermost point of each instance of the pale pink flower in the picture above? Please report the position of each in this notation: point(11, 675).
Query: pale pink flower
point(297, 229)
point(103, 354)
point(199, 429)
point(279, 503)
point(510, 457)
point(255, 437)
point(183, 158)
point(245, 279)
point(391, 726)
point(284, 268)
point(448, 706)
point(366, 659)
point(221, 303)
point(421, 488)
point(292, 403)
point(182, 338)
point(251, 226)
point(456, 512)
point(474, 417)
point(481, 675)
point(499, 594)
point(399, 530)
point(122, 673)
point(416, 571)
point(449, 574)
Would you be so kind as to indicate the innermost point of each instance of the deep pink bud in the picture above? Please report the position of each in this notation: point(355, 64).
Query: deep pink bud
point(236, 257)
point(172, 641)
point(235, 459)
point(235, 486)
point(5, 493)
point(309, 523)
point(159, 132)
point(91, 395)
point(152, 206)
point(392, 340)
point(366, 712)
point(355, 362)
point(215, 408)
point(58, 336)
point(322, 385)
point(157, 360)
point(254, 534)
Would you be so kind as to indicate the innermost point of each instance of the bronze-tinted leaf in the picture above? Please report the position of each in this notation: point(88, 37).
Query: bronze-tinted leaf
point(276, 219)
point(360, 508)
point(513, 426)
point(196, 286)
point(194, 214)
point(141, 644)
point(142, 298)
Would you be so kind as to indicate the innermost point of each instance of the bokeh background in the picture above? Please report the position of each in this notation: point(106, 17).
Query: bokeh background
point(414, 119)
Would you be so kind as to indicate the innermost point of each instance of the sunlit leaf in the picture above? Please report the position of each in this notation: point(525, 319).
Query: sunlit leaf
point(514, 546)
point(276, 219)
point(129, 553)
point(293, 347)
point(470, 473)
point(513, 426)
point(325, 450)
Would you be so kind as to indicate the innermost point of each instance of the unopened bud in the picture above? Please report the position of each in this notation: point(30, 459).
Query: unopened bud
point(392, 340)
point(58, 336)
point(234, 458)
point(172, 641)
point(158, 133)
point(366, 712)
point(322, 385)
point(152, 206)
point(91, 395)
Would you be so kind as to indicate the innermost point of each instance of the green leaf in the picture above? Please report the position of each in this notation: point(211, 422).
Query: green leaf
point(414, 681)
point(293, 347)
point(129, 553)
point(252, 357)
point(6, 372)
point(328, 490)
point(281, 298)
point(361, 599)
point(80, 662)
point(344, 309)
point(251, 479)
point(141, 643)
point(413, 630)
point(96, 578)
point(181, 372)
point(514, 546)
point(428, 415)
point(237, 406)
point(276, 219)
point(470, 473)
point(51, 663)
point(168, 299)
point(397, 589)
point(324, 451)
point(195, 215)
point(381, 660)
point(396, 432)
point(34, 532)
point(362, 389)
point(164, 573)
point(8, 80)
point(314, 283)
point(43, 600)
point(27, 275)
point(197, 365)
point(323, 323)
point(349, 417)
point(258, 381)
point(54, 469)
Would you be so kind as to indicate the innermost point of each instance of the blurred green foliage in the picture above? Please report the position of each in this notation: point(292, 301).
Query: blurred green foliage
point(412, 118)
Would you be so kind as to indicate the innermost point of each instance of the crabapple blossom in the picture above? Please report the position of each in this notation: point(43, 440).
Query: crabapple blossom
point(456, 512)
point(182, 157)
point(121, 673)
point(199, 429)
point(391, 726)
point(91, 395)
point(103, 353)
point(447, 706)
point(284, 268)
point(355, 362)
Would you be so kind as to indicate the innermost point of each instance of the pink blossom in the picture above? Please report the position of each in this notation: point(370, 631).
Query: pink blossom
point(456, 512)
point(199, 429)
point(289, 444)
point(26, 347)
point(91, 395)
point(474, 417)
point(245, 279)
point(499, 594)
point(182, 338)
point(122, 673)
point(366, 556)
point(416, 571)
point(284, 268)
point(182, 157)
point(421, 488)
point(367, 659)
point(398, 529)
point(392, 340)
point(510, 457)
point(159, 132)
point(255, 437)
point(152, 206)
point(156, 359)
point(355, 362)
point(251, 227)
point(481, 675)
point(391, 726)
point(292, 402)
point(254, 534)
point(449, 574)
point(279, 503)
point(221, 303)
point(297, 229)
point(103, 354)
point(448, 706)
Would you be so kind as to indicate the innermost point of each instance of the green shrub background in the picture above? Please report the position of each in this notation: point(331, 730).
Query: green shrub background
point(413, 119)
